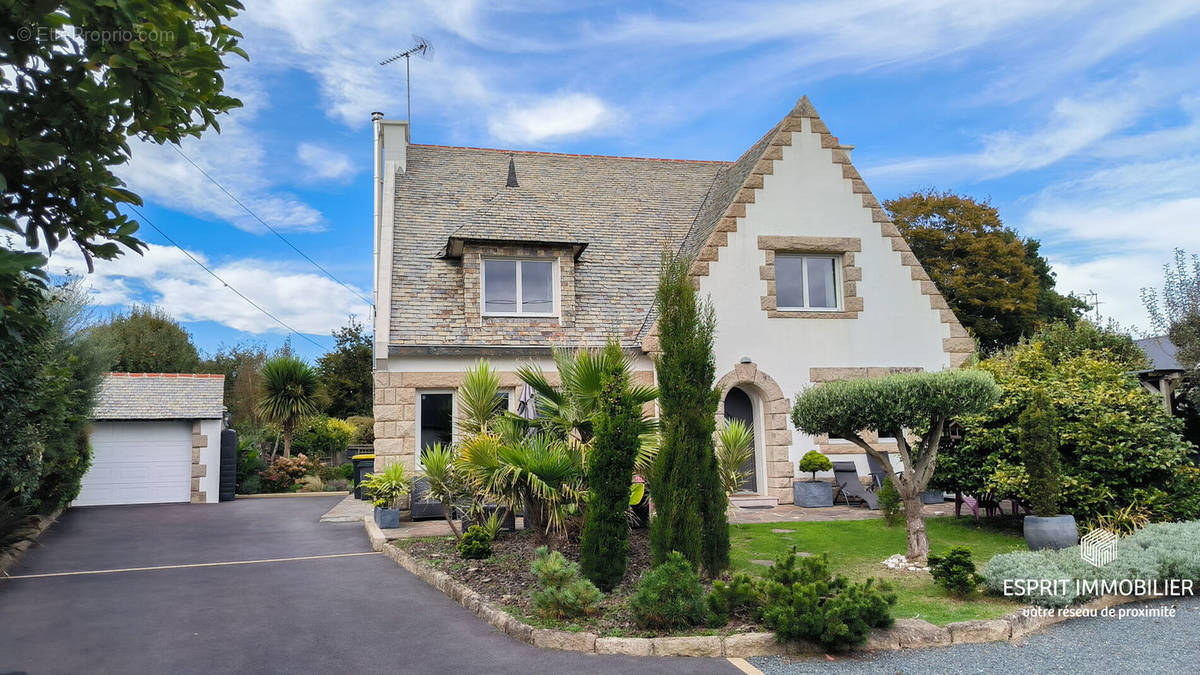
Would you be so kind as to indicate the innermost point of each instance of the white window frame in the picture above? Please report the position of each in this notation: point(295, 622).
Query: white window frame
point(837, 283)
point(453, 418)
point(555, 283)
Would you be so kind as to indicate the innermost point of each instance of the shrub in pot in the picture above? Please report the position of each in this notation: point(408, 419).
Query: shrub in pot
point(386, 488)
point(813, 493)
point(1046, 528)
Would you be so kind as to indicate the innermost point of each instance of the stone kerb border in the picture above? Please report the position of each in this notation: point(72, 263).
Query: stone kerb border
point(905, 634)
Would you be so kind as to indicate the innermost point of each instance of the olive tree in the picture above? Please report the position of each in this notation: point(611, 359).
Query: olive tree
point(913, 408)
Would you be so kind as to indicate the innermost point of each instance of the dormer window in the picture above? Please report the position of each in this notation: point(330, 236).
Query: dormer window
point(519, 287)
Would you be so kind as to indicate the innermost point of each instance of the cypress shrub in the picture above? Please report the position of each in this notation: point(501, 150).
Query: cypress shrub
point(689, 499)
point(604, 547)
point(1039, 447)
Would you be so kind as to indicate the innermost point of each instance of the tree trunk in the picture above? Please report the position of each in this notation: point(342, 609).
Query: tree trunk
point(446, 514)
point(914, 516)
point(287, 442)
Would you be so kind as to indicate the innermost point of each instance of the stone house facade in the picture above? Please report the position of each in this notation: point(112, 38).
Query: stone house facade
point(498, 254)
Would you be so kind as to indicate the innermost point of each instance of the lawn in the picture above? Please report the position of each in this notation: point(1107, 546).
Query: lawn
point(856, 548)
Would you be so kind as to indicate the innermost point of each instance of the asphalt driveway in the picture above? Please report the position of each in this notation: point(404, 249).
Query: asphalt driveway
point(311, 598)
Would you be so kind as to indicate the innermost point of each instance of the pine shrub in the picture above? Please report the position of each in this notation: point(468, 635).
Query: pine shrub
point(689, 498)
point(813, 461)
point(1039, 448)
point(669, 596)
point(890, 503)
point(802, 602)
point(740, 597)
point(562, 592)
point(604, 544)
point(955, 571)
point(475, 544)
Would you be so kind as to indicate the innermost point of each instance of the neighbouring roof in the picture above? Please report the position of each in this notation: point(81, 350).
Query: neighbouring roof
point(160, 396)
point(1160, 351)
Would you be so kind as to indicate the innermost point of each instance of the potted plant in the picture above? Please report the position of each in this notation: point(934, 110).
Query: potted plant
point(386, 488)
point(1046, 528)
point(813, 493)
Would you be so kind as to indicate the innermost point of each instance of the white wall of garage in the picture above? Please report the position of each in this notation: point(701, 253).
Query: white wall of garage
point(210, 456)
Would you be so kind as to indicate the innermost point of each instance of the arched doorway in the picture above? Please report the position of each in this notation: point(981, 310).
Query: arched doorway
point(739, 406)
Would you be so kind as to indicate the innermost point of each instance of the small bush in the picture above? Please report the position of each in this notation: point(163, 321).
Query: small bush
point(1039, 448)
point(1122, 521)
point(813, 461)
point(802, 602)
point(955, 571)
point(310, 483)
point(740, 597)
point(284, 473)
point(669, 596)
point(890, 504)
point(475, 544)
point(562, 592)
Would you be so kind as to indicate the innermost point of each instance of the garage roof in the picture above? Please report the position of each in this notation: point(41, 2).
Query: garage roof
point(160, 396)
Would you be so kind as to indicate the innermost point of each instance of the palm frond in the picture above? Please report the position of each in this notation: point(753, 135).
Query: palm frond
point(477, 398)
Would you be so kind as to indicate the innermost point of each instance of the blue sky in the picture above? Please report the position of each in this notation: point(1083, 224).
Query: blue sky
point(1079, 120)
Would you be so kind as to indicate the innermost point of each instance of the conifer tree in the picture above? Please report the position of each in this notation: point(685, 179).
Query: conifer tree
point(686, 486)
point(604, 547)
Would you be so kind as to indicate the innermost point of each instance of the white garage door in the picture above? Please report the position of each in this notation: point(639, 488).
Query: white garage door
point(138, 463)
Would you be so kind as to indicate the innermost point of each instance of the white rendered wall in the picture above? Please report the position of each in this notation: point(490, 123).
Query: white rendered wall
point(807, 196)
point(210, 456)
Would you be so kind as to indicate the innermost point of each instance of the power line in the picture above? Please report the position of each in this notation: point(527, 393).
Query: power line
point(224, 283)
point(273, 230)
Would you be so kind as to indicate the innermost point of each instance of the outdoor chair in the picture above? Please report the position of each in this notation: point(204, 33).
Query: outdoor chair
point(849, 485)
point(424, 508)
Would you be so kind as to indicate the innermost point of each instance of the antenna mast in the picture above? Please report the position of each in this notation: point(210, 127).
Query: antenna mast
point(422, 47)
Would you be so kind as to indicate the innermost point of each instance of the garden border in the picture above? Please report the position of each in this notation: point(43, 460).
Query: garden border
point(905, 634)
point(12, 554)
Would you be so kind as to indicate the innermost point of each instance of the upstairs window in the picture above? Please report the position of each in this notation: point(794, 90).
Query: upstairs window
point(518, 287)
point(807, 282)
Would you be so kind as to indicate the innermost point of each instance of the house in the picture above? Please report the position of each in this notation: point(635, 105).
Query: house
point(498, 254)
point(1165, 373)
point(156, 437)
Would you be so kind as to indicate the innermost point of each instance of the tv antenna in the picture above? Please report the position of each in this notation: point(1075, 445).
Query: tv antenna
point(423, 48)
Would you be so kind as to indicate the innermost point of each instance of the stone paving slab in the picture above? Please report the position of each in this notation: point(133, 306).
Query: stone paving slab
point(348, 510)
point(787, 513)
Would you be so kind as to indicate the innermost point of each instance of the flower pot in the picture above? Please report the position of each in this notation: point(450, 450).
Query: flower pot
point(387, 518)
point(932, 497)
point(1053, 532)
point(812, 494)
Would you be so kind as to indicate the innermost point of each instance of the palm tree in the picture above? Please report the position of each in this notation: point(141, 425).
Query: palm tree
point(445, 480)
point(734, 448)
point(289, 395)
point(478, 399)
point(567, 411)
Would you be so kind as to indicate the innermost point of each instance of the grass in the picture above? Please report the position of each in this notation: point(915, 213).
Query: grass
point(857, 547)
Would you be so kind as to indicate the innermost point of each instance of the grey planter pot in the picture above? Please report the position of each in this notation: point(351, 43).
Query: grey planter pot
point(387, 518)
point(932, 497)
point(1054, 532)
point(812, 494)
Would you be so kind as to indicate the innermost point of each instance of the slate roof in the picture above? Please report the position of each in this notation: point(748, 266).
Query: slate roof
point(160, 396)
point(1160, 351)
point(621, 211)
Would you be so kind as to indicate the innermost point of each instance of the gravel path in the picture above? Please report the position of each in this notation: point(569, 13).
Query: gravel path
point(1127, 646)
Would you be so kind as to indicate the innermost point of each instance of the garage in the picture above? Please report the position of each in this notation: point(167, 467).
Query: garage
point(155, 439)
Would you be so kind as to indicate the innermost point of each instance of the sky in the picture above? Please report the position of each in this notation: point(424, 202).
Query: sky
point(1079, 121)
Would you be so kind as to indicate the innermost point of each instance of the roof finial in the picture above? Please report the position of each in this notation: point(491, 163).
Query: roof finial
point(512, 173)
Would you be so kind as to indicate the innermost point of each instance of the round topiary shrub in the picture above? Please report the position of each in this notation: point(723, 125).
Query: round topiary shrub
point(475, 544)
point(813, 461)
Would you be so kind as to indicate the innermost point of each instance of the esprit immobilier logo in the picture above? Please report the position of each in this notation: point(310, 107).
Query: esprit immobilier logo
point(1098, 547)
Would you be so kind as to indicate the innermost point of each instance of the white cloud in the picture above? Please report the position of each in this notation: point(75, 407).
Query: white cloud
point(326, 163)
point(551, 117)
point(166, 277)
point(236, 157)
